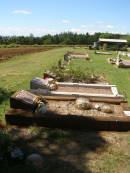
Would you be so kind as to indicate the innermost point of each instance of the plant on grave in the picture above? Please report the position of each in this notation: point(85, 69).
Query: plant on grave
point(74, 75)
point(78, 75)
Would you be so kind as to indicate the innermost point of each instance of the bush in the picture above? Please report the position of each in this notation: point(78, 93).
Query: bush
point(74, 75)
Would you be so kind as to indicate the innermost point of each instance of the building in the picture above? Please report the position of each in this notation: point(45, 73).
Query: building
point(112, 44)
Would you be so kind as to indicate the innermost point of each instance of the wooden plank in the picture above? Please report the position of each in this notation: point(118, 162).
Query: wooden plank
point(63, 98)
point(53, 120)
point(69, 96)
point(85, 85)
point(76, 94)
point(114, 91)
point(103, 53)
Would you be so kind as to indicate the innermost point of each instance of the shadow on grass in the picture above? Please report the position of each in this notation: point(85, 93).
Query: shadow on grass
point(63, 151)
point(4, 95)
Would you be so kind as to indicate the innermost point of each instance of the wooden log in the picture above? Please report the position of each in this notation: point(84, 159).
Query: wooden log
point(50, 119)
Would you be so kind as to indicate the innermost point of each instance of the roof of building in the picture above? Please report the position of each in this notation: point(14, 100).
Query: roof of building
point(112, 40)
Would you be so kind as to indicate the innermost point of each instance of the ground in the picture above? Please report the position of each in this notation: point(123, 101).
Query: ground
point(7, 53)
point(66, 151)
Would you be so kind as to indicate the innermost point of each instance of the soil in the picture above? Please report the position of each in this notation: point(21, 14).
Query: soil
point(69, 108)
point(7, 53)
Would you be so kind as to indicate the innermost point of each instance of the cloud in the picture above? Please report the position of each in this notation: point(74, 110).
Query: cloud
point(37, 31)
point(98, 26)
point(22, 12)
point(40, 31)
point(110, 26)
point(101, 26)
point(99, 22)
point(83, 26)
point(65, 21)
point(75, 30)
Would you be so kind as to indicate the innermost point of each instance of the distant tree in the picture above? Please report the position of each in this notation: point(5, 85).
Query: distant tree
point(67, 38)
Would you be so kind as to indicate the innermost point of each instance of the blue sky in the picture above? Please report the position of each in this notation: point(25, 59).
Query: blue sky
point(22, 17)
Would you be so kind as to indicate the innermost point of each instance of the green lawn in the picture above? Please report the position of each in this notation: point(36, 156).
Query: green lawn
point(16, 73)
point(99, 66)
point(66, 151)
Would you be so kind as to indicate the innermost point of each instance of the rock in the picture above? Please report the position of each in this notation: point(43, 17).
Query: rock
point(97, 107)
point(41, 108)
point(17, 154)
point(35, 160)
point(53, 87)
point(107, 108)
point(83, 103)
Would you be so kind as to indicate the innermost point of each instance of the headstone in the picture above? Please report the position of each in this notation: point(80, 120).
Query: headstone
point(25, 100)
point(48, 83)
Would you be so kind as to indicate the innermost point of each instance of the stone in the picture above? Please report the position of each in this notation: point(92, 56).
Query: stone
point(83, 103)
point(17, 154)
point(41, 108)
point(97, 107)
point(35, 160)
point(107, 108)
point(53, 87)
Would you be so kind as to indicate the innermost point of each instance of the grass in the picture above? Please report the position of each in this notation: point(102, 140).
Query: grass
point(66, 151)
point(16, 73)
point(99, 66)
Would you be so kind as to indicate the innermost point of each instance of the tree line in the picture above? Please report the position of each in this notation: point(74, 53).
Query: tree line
point(68, 38)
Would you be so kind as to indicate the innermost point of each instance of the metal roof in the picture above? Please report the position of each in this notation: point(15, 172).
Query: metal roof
point(112, 40)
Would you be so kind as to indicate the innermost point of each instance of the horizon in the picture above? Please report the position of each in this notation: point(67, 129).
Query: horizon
point(21, 18)
point(91, 34)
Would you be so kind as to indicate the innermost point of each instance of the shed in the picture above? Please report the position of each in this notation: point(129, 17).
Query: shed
point(112, 44)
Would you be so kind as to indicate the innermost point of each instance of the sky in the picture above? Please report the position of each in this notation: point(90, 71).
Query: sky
point(40, 17)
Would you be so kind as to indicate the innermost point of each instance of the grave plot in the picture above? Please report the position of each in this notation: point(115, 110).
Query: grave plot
point(77, 113)
point(123, 64)
point(76, 55)
point(95, 92)
point(103, 53)
point(69, 105)
point(119, 62)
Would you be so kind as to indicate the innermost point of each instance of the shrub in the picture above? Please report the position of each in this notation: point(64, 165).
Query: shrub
point(74, 75)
